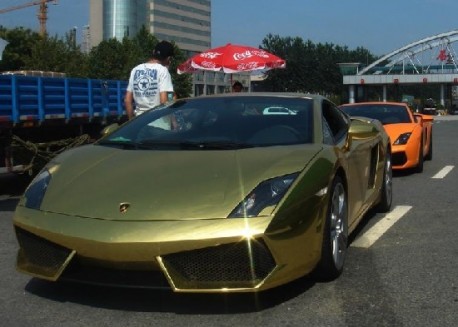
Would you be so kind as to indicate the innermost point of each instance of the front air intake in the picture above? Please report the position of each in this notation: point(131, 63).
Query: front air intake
point(235, 265)
point(40, 257)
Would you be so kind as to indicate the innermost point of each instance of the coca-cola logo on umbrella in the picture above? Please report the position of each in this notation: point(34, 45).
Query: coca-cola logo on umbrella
point(232, 59)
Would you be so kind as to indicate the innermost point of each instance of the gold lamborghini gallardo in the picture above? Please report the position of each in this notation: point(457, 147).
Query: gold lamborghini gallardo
point(208, 194)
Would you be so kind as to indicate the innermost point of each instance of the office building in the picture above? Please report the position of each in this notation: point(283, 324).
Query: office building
point(186, 22)
point(116, 19)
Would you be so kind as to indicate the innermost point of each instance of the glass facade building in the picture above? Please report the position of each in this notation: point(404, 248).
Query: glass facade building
point(123, 18)
point(186, 22)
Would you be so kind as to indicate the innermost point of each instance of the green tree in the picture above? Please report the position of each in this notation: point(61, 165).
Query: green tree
point(310, 67)
point(182, 84)
point(146, 42)
point(57, 55)
point(110, 59)
point(302, 63)
point(19, 48)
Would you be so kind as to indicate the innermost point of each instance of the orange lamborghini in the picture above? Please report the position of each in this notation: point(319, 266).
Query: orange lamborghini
point(410, 134)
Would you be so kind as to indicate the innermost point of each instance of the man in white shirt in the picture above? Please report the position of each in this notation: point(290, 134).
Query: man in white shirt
point(150, 82)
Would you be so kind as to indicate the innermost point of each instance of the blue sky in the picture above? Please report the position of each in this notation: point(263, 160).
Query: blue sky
point(381, 26)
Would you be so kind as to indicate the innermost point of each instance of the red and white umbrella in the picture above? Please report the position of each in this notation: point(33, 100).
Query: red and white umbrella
point(232, 59)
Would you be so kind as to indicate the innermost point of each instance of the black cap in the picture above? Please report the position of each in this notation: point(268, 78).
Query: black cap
point(163, 50)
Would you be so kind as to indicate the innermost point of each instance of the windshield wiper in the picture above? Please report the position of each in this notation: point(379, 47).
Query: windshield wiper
point(224, 145)
point(194, 145)
point(119, 144)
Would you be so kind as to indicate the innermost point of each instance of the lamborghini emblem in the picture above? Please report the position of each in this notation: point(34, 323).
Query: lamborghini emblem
point(123, 207)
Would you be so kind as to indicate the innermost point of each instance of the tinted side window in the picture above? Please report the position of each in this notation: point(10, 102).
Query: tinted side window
point(327, 134)
point(337, 122)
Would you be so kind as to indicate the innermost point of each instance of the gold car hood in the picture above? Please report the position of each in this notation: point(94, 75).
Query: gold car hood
point(107, 183)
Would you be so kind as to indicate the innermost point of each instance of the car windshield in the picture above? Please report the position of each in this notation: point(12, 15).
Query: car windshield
point(218, 123)
point(385, 113)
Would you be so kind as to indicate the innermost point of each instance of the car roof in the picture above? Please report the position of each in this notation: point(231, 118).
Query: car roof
point(376, 103)
point(264, 94)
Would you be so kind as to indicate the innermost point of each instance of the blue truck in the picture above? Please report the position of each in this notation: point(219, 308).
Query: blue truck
point(41, 112)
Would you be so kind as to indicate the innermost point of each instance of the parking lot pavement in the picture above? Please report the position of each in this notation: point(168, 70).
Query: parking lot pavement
point(446, 117)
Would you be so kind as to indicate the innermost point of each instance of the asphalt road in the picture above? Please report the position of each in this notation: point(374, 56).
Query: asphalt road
point(406, 277)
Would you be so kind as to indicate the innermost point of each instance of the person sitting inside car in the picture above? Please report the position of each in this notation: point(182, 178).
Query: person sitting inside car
point(237, 87)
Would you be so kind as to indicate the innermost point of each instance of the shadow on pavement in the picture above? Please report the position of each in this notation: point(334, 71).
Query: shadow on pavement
point(148, 300)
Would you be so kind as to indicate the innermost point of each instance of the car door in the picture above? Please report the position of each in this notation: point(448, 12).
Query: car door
point(360, 158)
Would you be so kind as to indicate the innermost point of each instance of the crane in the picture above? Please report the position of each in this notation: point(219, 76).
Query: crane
point(42, 11)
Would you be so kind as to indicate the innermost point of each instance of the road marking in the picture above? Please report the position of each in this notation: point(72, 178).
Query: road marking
point(443, 172)
point(375, 232)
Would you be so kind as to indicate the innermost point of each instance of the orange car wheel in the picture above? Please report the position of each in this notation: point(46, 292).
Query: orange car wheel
point(419, 167)
point(429, 156)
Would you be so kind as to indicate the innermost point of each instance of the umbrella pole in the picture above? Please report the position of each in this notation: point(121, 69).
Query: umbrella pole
point(230, 86)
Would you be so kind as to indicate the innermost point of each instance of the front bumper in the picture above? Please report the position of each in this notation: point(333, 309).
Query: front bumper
point(404, 156)
point(241, 265)
point(188, 256)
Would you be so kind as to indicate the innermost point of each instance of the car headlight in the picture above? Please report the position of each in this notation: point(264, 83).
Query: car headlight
point(267, 193)
point(402, 139)
point(35, 192)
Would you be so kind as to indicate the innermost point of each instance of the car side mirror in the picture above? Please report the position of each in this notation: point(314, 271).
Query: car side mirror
point(362, 129)
point(109, 129)
point(418, 118)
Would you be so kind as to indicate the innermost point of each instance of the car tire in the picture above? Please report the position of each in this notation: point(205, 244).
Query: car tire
point(429, 156)
point(386, 191)
point(335, 234)
point(419, 167)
